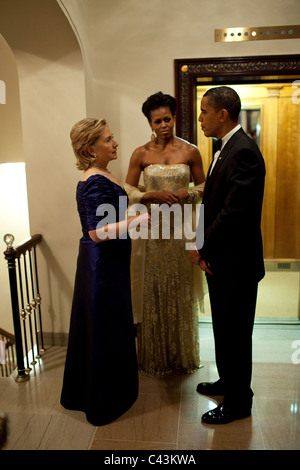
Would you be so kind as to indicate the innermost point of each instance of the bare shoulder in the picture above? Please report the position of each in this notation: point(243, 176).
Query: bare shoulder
point(139, 154)
point(189, 149)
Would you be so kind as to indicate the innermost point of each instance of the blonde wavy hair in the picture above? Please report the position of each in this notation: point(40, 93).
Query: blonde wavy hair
point(84, 134)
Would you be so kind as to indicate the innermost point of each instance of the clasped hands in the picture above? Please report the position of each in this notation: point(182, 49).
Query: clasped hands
point(197, 259)
point(171, 197)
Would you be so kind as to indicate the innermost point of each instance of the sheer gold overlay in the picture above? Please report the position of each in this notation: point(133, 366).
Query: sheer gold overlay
point(167, 288)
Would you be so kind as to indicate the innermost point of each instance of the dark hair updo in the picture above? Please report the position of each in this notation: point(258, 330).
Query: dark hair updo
point(158, 100)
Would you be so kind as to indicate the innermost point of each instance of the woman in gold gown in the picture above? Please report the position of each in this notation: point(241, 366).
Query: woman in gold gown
point(169, 285)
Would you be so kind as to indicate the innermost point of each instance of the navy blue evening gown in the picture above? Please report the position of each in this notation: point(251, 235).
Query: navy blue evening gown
point(101, 375)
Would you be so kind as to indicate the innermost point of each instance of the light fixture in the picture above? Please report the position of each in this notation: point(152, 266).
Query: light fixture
point(257, 33)
point(13, 201)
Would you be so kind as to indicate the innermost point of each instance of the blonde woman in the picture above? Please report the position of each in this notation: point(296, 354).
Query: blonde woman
point(101, 357)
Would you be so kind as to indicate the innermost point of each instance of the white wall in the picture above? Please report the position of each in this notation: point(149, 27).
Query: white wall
point(128, 49)
point(52, 97)
point(11, 141)
point(13, 194)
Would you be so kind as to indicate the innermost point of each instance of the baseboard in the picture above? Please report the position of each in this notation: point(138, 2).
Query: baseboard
point(260, 321)
point(282, 265)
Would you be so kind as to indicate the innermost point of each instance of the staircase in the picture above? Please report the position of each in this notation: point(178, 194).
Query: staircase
point(7, 353)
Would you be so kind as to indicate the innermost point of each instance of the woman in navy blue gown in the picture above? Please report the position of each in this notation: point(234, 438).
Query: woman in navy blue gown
point(101, 376)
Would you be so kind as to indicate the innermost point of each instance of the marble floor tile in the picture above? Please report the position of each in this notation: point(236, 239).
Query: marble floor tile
point(152, 418)
point(280, 423)
point(276, 381)
point(99, 444)
point(170, 384)
point(238, 435)
point(167, 413)
point(27, 431)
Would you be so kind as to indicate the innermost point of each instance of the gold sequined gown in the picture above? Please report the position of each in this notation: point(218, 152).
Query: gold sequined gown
point(168, 338)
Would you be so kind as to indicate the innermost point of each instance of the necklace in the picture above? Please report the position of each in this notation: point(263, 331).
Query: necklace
point(105, 170)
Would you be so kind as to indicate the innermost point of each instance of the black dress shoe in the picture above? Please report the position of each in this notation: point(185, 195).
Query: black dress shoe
point(211, 389)
point(224, 415)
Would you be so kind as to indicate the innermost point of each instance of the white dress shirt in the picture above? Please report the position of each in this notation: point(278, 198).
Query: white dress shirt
point(224, 142)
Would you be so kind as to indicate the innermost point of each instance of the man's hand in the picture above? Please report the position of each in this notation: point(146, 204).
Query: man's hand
point(204, 266)
point(195, 256)
point(196, 259)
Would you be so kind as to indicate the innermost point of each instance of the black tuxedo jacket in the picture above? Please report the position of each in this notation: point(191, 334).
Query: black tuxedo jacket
point(232, 202)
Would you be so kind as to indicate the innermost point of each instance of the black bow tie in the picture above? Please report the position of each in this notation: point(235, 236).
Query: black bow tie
point(217, 145)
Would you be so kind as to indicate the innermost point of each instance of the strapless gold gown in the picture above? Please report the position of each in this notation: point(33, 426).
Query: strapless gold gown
point(168, 338)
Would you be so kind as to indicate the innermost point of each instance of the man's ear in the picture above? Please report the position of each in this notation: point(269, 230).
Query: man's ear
point(224, 115)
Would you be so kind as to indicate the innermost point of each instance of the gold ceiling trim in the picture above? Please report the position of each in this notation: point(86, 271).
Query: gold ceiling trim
point(257, 34)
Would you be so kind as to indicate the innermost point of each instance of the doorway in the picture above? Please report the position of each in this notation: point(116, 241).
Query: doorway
point(271, 115)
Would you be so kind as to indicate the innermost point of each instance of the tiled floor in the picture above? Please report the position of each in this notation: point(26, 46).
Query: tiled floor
point(167, 414)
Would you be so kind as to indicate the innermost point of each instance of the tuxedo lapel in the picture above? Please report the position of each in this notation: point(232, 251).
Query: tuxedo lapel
point(225, 153)
point(212, 173)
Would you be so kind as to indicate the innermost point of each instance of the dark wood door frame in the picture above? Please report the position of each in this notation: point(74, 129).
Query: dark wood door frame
point(226, 71)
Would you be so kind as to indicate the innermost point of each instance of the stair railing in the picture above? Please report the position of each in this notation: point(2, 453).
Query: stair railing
point(7, 353)
point(24, 292)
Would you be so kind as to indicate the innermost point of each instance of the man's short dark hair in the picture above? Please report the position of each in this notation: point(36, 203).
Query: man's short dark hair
point(224, 97)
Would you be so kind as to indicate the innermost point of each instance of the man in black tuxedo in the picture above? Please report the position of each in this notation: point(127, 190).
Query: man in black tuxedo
point(232, 253)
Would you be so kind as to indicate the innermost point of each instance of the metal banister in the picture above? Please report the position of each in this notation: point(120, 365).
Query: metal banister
point(33, 299)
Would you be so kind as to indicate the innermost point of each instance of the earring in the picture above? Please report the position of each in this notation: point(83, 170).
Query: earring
point(153, 136)
point(95, 155)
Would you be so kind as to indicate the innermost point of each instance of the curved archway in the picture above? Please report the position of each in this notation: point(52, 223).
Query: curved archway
point(13, 191)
